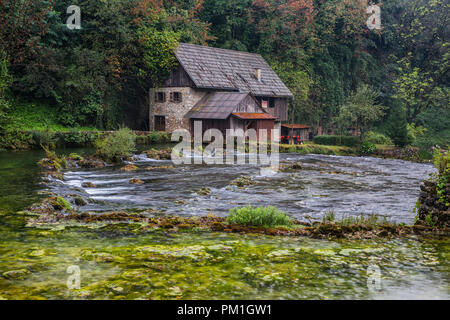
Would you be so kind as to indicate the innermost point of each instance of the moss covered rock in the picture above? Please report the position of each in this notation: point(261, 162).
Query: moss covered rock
point(19, 274)
point(129, 167)
point(60, 203)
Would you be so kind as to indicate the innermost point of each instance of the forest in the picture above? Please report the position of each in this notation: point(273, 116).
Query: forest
point(98, 76)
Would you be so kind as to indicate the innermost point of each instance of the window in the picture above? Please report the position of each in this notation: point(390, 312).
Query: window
point(160, 97)
point(176, 97)
point(264, 103)
point(160, 123)
point(271, 103)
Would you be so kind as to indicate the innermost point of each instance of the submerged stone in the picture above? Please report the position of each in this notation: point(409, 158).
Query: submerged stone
point(242, 182)
point(37, 253)
point(91, 162)
point(88, 185)
point(204, 191)
point(19, 274)
point(161, 154)
point(136, 181)
point(79, 201)
point(129, 167)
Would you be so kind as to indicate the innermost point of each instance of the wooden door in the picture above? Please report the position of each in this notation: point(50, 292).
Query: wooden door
point(160, 123)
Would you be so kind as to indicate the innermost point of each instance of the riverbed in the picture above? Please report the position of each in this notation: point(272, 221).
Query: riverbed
point(129, 262)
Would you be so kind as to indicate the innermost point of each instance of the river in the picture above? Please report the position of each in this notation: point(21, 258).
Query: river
point(124, 262)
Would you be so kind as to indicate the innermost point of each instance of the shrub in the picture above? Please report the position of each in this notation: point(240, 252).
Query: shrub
point(415, 132)
point(153, 137)
point(377, 138)
point(329, 140)
point(159, 137)
point(77, 138)
point(164, 137)
point(13, 139)
point(329, 217)
point(367, 148)
point(368, 221)
point(259, 217)
point(143, 140)
point(47, 138)
point(397, 125)
point(52, 160)
point(117, 145)
point(441, 160)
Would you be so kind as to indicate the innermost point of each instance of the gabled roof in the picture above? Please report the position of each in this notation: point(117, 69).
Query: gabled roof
point(214, 68)
point(217, 105)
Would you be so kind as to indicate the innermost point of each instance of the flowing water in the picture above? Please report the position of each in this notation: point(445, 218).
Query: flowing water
point(344, 185)
point(131, 262)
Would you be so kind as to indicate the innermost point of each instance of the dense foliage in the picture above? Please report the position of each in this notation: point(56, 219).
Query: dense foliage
point(99, 76)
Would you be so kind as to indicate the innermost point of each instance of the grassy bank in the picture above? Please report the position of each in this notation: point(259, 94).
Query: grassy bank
point(311, 148)
point(408, 153)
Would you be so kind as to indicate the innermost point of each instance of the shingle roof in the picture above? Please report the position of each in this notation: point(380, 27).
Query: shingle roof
point(214, 68)
point(220, 105)
point(216, 105)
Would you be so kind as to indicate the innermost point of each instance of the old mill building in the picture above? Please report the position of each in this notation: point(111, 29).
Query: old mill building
point(225, 89)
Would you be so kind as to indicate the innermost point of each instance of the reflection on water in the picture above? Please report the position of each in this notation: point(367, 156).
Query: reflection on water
point(126, 262)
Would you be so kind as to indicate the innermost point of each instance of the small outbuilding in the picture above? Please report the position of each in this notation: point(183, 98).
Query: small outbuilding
point(296, 132)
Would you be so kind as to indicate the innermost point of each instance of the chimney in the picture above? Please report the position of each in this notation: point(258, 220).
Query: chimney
point(258, 74)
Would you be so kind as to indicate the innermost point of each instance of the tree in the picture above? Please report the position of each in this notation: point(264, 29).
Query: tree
point(230, 23)
point(5, 81)
point(360, 109)
point(283, 27)
point(299, 82)
point(424, 58)
point(397, 126)
point(23, 24)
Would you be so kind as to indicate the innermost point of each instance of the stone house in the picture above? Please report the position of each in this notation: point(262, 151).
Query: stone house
point(225, 89)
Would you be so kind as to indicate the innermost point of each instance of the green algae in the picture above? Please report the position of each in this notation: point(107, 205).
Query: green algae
point(60, 203)
point(118, 262)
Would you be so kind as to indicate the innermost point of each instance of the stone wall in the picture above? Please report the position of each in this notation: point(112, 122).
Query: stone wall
point(408, 153)
point(431, 210)
point(173, 111)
